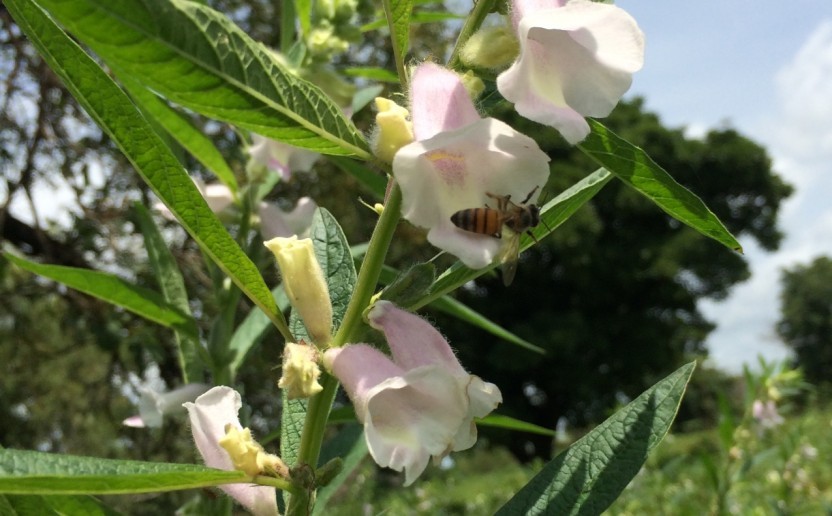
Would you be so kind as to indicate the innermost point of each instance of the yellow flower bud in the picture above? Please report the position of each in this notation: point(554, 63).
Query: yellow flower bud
point(473, 84)
point(300, 371)
point(248, 456)
point(490, 47)
point(304, 283)
point(394, 130)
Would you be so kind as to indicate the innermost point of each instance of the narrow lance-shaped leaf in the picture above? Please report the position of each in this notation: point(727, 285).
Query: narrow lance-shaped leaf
point(333, 254)
point(112, 110)
point(197, 58)
point(114, 290)
point(553, 214)
point(183, 131)
point(589, 476)
point(398, 19)
point(633, 166)
point(173, 289)
point(31, 472)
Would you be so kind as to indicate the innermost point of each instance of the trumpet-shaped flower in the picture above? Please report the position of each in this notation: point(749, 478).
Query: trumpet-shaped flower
point(576, 59)
point(417, 405)
point(459, 158)
point(279, 157)
point(305, 285)
point(154, 405)
point(274, 221)
point(212, 416)
point(766, 413)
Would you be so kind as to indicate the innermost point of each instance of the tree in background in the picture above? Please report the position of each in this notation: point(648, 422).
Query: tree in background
point(612, 296)
point(600, 257)
point(806, 317)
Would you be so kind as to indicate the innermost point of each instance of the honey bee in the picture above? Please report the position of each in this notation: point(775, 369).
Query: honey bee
point(509, 217)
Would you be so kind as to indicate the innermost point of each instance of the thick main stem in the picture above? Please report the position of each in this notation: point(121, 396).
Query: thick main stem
point(317, 412)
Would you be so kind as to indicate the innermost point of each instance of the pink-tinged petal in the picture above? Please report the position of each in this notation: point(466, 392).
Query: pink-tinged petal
point(134, 422)
point(403, 329)
point(209, 414)
point(360, 367)
point(483, 398)
point(575, 61)
point(520, 8)
point(456, 170)
point(279, 157)
point(438, 101)
point(218, 196)
point(153, 405)
point(414, 417)
point(275, 222)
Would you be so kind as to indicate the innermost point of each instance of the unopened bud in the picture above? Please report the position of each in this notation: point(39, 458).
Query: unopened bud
point(473, 84)
point(490, 48)
point(300, 371)
point(394, 130)
point(304, 283)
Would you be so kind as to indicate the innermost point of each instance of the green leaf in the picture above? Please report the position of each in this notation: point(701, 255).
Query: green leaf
point(418, 18)
point(107, 287)
point(31, 472)
point(57, 505)
point(196, 57)
point(633, 166)
point(350, 445)
point(372, 73)
point(398, 20)
point(251, 331)
point(462, 312)
point(590, 474)
point(410, 285)
point(509, 423)
point(370, 179)
point(333, 254)
point(114, 112)
point(183, 131)
point(173, 290)
point(553, 214)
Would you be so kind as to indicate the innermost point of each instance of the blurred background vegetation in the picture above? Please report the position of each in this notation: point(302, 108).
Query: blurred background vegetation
point(611, 297)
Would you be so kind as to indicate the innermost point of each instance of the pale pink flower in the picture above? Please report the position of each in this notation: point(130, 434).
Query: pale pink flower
point(209, 416)
point(766, 413)
point(273, 220)
point(576, 59)
point(458, 159)
point(154, 405)
point(218, 196)
point(279, 157)
point(417, 405)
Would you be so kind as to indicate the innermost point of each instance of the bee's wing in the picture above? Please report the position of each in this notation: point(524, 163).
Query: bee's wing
point(509, 254)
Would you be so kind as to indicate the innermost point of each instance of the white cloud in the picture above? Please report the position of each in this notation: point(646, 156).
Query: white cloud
point(798, 134)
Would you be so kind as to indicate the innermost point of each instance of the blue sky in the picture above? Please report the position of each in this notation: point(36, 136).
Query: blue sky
point(764, 68)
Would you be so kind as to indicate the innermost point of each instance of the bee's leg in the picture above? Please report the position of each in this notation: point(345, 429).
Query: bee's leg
point(529, 232)
point(530, 195)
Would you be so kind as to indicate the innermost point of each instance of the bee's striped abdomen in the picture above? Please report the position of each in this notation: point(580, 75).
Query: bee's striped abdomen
point(483, 221)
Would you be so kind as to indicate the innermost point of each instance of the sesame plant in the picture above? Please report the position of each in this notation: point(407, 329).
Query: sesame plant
point(434, 158)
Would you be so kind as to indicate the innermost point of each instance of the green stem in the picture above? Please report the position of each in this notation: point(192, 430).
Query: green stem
point(287, 25)
point(371, 267)
point(319, 406)
point(472, 24)
point(397, 52)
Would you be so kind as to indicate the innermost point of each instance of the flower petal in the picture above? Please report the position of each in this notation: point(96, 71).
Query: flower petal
point(575, 61)
point(413, 341)
point(414, 417)
point(456, 170)
point(209, 414)
point(438, 101)
point(275, 222)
